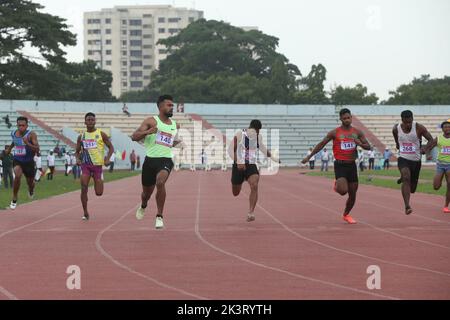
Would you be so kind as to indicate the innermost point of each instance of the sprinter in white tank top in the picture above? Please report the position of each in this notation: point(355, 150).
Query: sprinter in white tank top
point(408, 138)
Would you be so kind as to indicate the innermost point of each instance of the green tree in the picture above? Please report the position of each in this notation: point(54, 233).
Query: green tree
point(208, 55)
point(21, 24)
point(422, 91)
point(352, 96)
point(312, 87)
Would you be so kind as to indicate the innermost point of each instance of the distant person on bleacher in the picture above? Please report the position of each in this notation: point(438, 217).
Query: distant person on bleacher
point(7, 122)
point(7, 160)
point(125, 110)
point(25, 145)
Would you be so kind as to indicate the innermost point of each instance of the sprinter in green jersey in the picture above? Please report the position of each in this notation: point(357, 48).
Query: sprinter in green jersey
point(443, 161)
point(160, 136)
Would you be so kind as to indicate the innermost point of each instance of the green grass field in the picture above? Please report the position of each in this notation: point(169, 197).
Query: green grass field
point(388, 179)
point(59, 185)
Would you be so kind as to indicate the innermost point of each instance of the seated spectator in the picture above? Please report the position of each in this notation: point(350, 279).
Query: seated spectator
point(125, 110)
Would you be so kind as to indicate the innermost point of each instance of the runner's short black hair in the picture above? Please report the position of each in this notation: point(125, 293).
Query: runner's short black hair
point(256, 124)
point(89, 114)
point(162, 98)
point(22, 119)
point(444, 123)
point(344, 111)
point(407, 114)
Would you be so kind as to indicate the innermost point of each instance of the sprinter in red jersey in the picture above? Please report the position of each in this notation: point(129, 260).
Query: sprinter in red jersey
point(346, 139)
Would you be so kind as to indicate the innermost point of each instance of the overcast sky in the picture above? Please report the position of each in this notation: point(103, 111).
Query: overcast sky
point(379, 43)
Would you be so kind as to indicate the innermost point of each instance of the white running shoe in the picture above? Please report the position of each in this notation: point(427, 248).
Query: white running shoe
point(140, 213)
point(250, 217)
point(159, 223)
point(13, 205)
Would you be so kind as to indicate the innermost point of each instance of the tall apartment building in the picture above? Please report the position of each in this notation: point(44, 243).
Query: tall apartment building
point(123, 40)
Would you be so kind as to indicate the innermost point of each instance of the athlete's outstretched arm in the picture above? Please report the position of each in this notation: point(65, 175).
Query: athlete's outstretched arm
point(362, 141)
point(9, 149)
point(424, 133)
point(148, 126)
point(78, 150)
point(264, 150)
point(395, 134)
point(330, 136)
point(110, 148)
point(34, 145)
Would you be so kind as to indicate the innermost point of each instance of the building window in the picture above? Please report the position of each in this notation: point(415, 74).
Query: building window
point(94, 31)
point(124, 21)
point(124, 73)
point(124, 53)
point(147, 36)
point(161, 30)
point(108, 20)
point(136, 53)
point(108, 62)
point(108, 52)
point(147, 16)
point(124, 84)
point(94, 21)
point(147, 26)
point(147, 67)
point(94, 42)
point(135, 22)
point(135, 42)
point(108, 41)
point(161, 19)
point(172, 31)
point(147, 46)
point(124, 63)
point(108, 31)
point(124, 42)
point(135, 32)
point(147, 57)
point(136, 63)
point(173, 20)
point(162, 51)
point(124, 32)
point(90, 52)
point(136, 84)
point(136, 74)
point(146, 77)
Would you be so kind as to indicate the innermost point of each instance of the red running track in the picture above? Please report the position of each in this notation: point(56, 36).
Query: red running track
point(298, 247)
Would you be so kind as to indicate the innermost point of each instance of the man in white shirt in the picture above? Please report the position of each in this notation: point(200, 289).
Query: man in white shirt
point(111, 162)
point(38, 162)
point(66, 163)
point(325, 157)
point(51, 165)
point(371, 155)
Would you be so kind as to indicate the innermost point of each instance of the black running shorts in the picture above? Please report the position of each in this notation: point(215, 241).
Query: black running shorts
point(28, 168)
point(346, 170)
point(414, 168)
point(151, 168)
point(239, 176)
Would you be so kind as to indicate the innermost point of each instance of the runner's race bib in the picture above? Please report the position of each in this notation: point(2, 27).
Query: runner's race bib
point(407, 148)
point(249, 156)
point(164, 139)
point(348, 145)
point(445, 151)
point(20, 151)
point(89, 144)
